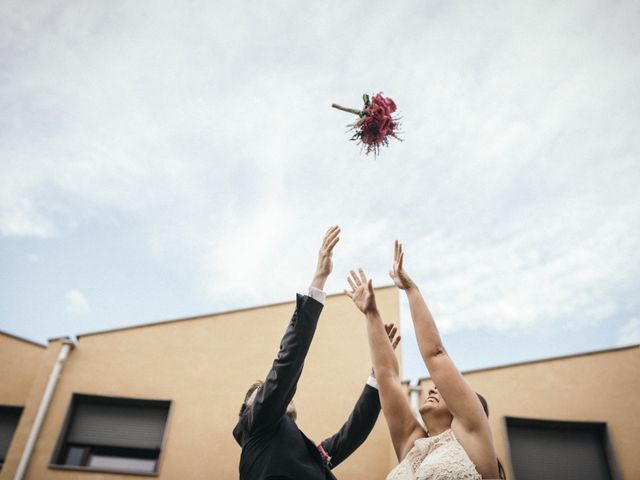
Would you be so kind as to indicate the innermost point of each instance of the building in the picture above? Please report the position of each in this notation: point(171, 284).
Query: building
point(20, 362)
point(576, 416)
point(162, 399)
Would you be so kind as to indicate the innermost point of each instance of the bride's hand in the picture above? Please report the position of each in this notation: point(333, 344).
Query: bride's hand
point(397, 273)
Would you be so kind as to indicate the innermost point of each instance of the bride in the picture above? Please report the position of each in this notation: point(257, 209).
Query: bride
point(457, 443)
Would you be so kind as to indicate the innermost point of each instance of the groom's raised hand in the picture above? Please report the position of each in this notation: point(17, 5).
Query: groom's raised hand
point(325, 263)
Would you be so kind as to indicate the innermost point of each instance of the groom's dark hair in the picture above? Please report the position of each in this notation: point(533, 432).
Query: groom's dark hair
point(252, 389)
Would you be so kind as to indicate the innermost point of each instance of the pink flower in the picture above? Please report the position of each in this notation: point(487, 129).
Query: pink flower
point(376, 123)
point(326, 459)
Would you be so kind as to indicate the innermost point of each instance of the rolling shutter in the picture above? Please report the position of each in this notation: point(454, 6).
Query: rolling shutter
point(117, 425)
point(566, 450)
point(9, 417)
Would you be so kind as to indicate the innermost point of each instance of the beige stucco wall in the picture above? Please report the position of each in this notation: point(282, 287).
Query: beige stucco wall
point(598, 387)
point(19, 363)
point(204, 366)
point(34, 369)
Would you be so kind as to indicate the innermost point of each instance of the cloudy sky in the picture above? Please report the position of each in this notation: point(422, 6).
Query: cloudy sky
point(165, 159)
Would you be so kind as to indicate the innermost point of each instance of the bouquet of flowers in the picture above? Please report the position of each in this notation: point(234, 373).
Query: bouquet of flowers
point(376, 123)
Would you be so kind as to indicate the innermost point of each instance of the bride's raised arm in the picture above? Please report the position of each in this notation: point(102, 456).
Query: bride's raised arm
point(461, 399)
point(403, 426)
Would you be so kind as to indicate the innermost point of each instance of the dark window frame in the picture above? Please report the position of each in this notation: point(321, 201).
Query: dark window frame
point(19, 409)
point(600, 427)
point(62, 445)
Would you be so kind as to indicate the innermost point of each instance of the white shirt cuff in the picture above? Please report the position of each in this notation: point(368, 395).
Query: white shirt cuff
point(372, 382)
point(317, 294)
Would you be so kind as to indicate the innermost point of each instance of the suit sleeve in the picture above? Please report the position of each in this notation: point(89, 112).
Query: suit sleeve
point(279, 387)
point(356, 429)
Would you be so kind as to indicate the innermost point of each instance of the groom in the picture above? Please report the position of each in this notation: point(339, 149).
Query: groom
point(273, 447)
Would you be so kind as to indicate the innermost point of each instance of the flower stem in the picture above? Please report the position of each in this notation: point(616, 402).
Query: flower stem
point(348, 110)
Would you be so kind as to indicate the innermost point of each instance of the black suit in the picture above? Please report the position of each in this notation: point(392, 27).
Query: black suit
point(273, 447)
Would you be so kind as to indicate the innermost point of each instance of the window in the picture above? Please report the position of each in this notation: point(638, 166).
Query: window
point(9, 417)
point(555, 449)
point(112, 434)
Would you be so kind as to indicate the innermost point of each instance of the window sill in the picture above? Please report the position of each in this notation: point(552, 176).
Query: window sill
point(103, 470)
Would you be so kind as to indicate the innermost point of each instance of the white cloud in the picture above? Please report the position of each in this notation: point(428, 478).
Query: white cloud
point(515, 190)
point(629, 334)
point(76, 303)
point(543, 273)
point(20, 218)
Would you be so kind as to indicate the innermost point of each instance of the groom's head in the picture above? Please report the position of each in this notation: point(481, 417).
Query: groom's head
point(250, 396)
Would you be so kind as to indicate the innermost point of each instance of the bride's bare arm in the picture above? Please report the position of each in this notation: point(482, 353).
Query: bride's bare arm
point(403, 426)
point(461, 399)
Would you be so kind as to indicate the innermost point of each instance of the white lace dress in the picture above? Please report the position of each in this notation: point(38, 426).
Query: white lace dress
point(436, 458)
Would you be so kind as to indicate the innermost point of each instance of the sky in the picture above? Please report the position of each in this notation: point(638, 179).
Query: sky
point(161, 160)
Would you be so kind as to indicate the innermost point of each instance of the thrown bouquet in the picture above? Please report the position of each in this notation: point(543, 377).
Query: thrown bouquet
point(376, 123)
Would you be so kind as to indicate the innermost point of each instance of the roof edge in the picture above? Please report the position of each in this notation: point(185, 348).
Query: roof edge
point(197, 317)
point(541, 360)
point(22, 339)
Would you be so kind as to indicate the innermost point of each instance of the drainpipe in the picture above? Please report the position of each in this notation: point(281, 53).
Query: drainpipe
point(67, 345)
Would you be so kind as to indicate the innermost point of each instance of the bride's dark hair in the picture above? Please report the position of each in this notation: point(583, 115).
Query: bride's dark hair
point(485, 406)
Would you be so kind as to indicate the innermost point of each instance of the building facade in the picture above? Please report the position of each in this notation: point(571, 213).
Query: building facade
point(569, 417)
point(162, 399)
point(20, 362)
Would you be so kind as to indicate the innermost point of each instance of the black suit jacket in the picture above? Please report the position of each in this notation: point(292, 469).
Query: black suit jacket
point(273, 447)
